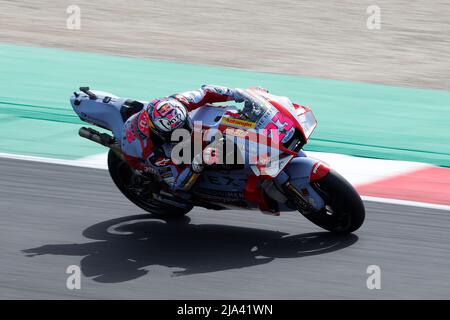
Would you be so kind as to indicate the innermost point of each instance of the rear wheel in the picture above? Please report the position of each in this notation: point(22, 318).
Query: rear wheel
point(122, 175)
point(344, 210)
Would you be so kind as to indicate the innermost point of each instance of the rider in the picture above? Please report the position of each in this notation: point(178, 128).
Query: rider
point(147, 134)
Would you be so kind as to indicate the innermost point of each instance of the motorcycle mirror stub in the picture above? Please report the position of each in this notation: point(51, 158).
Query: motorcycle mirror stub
point(86, 90)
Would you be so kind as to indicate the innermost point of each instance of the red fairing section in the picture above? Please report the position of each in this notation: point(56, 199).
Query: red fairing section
point(318, 171)
point(254, 194)
point(251, 189)
point(135, 163)
point(297, 106)
point(287, 114)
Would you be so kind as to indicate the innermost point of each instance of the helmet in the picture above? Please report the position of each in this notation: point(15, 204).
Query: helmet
point(168, 115)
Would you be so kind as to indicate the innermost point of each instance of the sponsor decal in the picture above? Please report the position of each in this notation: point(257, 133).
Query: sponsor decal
point(283, 125)
point(287, 134)
point(238, 123)
point(174, 120)
point(224, 180)
point(264, 120)
point(162, 162)
point(129, 134)
point(318, 171)
point(142, 124)
point(130, 128)
point(233, 114)
point(236, 132)
point(225, 196)
point(164, 109)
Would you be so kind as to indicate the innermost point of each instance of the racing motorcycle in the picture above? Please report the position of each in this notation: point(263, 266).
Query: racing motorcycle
point(284, 180)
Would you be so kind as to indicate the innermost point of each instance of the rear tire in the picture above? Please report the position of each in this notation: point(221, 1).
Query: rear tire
point(344, 211)
point(121, 174)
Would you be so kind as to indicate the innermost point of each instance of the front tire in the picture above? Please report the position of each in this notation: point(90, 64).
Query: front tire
point(121, 173)
point(344, 210)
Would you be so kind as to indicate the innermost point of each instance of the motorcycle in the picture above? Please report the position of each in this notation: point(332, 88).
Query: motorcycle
point(284, 179)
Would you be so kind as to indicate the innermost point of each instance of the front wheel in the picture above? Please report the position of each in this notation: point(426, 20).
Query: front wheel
point(122, 175)
point(344, 210)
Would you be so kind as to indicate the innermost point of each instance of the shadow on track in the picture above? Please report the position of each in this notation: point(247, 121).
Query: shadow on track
point(130, 244)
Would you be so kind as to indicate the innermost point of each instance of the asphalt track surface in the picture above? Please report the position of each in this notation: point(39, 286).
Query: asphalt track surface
point(54, 216)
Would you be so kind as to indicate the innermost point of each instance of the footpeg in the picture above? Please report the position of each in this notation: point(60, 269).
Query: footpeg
point(101, 138)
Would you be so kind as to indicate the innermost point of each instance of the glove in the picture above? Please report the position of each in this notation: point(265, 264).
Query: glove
point(237, 95)
point(197, 164)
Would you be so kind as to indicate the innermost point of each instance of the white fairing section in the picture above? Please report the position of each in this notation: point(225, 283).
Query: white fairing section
point(208, 114)
point(103, 111)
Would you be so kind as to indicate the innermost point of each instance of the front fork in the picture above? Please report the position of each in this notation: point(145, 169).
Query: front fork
point(297, 183)
point(299, 199)
point(292, 193)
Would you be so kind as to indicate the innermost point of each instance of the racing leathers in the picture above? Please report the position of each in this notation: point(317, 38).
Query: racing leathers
point(146, 152)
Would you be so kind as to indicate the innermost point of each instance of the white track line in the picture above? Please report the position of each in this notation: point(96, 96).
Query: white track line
point(87, 162)
point(360, 171)
point(407, 203)
point(99, 162)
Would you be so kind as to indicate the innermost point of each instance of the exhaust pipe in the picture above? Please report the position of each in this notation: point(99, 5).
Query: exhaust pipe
point(101, 138)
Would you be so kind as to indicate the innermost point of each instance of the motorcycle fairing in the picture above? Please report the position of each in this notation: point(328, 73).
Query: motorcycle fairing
point(103, 111)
